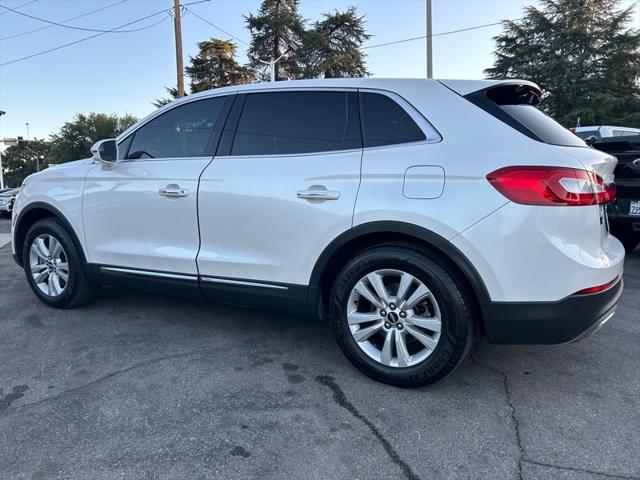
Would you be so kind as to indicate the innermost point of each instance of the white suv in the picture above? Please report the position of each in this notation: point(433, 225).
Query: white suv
point(415, 215)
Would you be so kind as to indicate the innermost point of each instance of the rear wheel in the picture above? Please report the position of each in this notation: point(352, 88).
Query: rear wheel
point(400, 316)
point(54, 267)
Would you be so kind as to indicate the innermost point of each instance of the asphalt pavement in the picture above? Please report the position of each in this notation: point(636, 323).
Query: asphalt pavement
point(140, 386)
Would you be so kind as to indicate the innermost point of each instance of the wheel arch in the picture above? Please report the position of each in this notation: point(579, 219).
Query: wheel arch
point(358, 238)
point(37, 211)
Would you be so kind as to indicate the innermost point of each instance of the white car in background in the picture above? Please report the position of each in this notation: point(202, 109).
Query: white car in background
point(7, 198)
point(604, 131)
point(414, 215)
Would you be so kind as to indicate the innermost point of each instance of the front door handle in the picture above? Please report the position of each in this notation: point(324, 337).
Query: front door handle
point(173, 191)
point(319, 194)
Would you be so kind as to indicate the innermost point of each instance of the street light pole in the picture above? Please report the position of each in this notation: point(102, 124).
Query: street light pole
point(429, 41)
point(272, 65)
point(2, 112)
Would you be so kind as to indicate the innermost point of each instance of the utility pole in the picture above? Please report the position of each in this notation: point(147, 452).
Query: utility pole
point(429, 41)
point(178, 30)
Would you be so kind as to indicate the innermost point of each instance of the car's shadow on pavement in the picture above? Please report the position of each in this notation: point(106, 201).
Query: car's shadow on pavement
point(145, 386)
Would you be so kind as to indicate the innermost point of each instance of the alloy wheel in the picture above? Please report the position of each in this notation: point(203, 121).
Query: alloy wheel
point(394, 318)
point(49, 265)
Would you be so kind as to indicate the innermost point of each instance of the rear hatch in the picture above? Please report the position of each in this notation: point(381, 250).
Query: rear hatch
point(515, 102)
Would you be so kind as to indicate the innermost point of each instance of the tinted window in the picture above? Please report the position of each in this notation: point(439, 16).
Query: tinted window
point(123, 147)
point(543, 126)
point(297, 122)
point(181, 132)
point(386, 122)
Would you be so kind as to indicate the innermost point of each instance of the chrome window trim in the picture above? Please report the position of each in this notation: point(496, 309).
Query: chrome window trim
point(433, 136)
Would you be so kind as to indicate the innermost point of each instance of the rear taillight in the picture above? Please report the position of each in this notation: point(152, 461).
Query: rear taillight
point(551, 186)
point(598, 288)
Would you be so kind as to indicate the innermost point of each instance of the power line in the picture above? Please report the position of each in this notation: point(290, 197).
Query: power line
point(88, 38)
point(421, 37)
point(59, 24)
point(217, 27)
point(103, 33)
point(62, 21)
point(22, 5)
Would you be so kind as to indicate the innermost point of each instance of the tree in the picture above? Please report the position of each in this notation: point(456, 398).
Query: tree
point(332, 47)
point(215, 66)
point(582, 53)
point(173, 95)
point(276, 30)
point(75, 138)
point(18, 162)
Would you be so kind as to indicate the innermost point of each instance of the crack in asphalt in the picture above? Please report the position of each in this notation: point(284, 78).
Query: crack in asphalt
point(516, 424)
point(514, 418)
point(341, 399)
point(99, 380)
point(581, 470)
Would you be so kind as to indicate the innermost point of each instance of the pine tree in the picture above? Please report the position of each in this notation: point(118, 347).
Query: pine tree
point(332, 48)
point(582, 53)
point(215, 66)
point(276, 30)
point(173, 95)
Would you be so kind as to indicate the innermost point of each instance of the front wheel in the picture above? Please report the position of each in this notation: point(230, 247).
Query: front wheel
point(54, 267)
point(401, 316)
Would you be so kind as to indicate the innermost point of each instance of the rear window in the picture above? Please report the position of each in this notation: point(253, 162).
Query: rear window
point(516, 105)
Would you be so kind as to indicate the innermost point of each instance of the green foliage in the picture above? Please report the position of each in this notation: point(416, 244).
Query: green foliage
point(276, 28)
point(332, 47)
point(215, 66)
point(18, 162)
point(75, 138)
point(173, 94)
point(582, 53)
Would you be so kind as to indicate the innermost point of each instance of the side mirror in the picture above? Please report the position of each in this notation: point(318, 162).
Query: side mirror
point(105, 151)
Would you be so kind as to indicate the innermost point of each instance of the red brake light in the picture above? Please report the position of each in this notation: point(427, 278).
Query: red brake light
point(551, 186)
point(599, 288)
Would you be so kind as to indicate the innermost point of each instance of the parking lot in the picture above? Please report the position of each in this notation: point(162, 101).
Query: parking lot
point(147, 387)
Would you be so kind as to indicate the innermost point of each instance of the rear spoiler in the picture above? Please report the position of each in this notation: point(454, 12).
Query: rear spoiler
point(467, 87)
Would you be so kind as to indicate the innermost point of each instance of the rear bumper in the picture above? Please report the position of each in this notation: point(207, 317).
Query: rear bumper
point(547, 323)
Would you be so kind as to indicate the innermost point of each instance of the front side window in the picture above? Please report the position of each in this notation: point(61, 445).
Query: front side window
point(278, 123)
point(183, 131)
point(387, 123)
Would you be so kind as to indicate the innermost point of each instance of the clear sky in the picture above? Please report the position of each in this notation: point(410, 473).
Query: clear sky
point(123, 72)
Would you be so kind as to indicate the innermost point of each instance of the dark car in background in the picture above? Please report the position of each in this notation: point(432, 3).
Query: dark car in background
point(624, 213)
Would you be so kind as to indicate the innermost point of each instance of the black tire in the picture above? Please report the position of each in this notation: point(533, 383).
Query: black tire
point(456, 308)
point(79, 289)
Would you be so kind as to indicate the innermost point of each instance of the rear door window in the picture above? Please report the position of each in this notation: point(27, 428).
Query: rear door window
point(297, 122)
point(387, 123)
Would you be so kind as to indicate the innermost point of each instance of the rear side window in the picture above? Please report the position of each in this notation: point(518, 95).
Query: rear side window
point(516, 106)
point(183, 131)
point(278, 123)
point(387, 123)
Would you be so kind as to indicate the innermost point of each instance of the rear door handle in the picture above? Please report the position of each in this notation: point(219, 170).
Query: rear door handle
point(319, 194)
point(173, 191)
